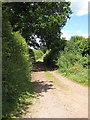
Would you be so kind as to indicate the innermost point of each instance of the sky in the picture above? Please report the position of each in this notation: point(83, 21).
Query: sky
point(78, 23)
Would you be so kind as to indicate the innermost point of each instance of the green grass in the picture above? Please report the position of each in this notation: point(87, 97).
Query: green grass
point(79, 77)
point(49, 76)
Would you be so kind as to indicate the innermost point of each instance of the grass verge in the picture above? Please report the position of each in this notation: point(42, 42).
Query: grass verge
point(79, 77)
point(49, 76)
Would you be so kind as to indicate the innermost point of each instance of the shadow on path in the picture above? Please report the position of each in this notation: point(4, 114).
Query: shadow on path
point(41, 86)
point(38, 86)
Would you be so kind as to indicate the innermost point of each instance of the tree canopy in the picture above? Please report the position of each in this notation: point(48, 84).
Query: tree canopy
point(43, 19)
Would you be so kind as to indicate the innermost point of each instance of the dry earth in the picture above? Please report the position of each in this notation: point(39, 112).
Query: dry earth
point(55, 101)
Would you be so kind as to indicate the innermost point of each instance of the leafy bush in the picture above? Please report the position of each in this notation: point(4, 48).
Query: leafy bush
point(16, 68)
point(73, 61)
point(51, 58)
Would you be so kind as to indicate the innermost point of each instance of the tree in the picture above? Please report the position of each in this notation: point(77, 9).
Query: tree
point(80, 44)
point(44, 19)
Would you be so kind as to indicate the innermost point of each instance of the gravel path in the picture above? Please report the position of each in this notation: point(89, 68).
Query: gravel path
point(55, 101)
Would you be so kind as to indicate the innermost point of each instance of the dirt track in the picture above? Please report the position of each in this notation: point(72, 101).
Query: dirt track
point(55, 101)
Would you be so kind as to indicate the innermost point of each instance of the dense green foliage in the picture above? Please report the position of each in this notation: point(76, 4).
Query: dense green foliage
point(52, 55)
point(38, 54)
point(73, 61)
point(16, 68)
point(31, 55)
point(51, 58)
point(44, 19)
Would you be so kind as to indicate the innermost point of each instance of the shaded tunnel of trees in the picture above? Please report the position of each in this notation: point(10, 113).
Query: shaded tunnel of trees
point(21, 22)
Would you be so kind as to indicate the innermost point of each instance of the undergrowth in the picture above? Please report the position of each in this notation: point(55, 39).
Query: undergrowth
point(74, 60)
point(80, 76)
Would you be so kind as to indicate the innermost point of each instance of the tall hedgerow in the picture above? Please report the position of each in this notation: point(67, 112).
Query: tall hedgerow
point(73, 61)
point(16, 67)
